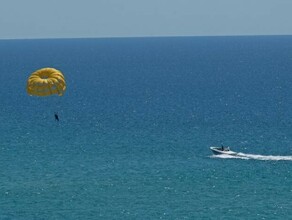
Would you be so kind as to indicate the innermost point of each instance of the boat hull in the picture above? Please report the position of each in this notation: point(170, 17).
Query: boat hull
point(219, 151)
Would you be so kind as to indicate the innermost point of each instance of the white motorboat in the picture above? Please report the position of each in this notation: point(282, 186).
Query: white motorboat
point(222, 150)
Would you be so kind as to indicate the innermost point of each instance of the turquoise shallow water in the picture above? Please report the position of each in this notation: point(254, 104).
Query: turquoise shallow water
point(136, 124)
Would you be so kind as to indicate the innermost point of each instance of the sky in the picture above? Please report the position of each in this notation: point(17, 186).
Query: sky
point(30, 19)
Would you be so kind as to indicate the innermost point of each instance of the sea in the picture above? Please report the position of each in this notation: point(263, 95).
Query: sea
point(137, 121)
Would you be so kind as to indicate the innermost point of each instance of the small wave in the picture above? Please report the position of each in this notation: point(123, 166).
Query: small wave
point(226, 156)
point(253, 157)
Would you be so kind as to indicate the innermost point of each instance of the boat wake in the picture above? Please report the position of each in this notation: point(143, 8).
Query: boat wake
point(253, 157)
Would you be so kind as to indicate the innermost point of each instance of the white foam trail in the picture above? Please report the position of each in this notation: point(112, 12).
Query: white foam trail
point(226, 156)
point(253, 156)
point(265, 157)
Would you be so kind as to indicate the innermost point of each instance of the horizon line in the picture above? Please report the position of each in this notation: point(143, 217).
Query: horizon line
point(158, 36)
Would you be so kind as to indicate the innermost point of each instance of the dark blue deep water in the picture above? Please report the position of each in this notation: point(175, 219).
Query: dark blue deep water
point(136, 123)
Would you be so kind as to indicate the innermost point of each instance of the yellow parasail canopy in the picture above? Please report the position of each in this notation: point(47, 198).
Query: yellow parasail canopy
point(45, 82)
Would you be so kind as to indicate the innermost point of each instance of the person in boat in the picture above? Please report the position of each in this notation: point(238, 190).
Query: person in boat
point(56, 116)
point(224, 148)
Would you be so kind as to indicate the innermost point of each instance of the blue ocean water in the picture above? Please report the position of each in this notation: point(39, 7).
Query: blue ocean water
point(136, 123)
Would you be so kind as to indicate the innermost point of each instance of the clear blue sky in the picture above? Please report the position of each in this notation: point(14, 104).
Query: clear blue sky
point(135, 18)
